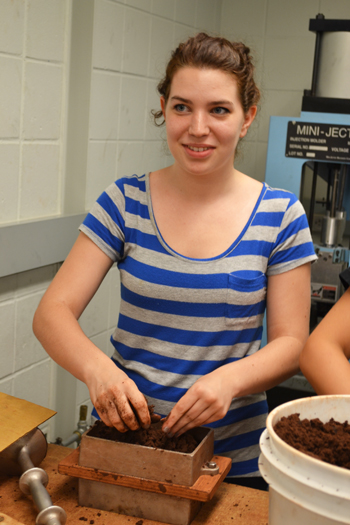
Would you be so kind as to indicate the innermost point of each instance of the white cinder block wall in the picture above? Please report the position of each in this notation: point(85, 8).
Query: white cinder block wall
point(131, 41)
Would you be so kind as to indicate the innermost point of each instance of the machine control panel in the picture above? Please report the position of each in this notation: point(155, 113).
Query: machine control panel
point(318, 141)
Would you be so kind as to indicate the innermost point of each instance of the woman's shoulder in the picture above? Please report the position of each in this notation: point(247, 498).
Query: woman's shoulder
point(136, 181)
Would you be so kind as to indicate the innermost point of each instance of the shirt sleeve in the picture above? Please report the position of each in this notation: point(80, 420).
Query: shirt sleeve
point(293, 246)
point(105, 223)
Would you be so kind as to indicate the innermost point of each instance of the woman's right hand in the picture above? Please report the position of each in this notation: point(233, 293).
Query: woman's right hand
point(56, 326)
point(118, 401)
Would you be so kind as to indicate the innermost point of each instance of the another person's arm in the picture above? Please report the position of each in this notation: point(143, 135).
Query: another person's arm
point(56, 326)
point(288, 312)
point(325, 358)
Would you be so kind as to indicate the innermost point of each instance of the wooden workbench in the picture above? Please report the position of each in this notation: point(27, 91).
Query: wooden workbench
point(231, 504)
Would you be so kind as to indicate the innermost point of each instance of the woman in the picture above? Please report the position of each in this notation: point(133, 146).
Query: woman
point(325, 358)
point(201, 249)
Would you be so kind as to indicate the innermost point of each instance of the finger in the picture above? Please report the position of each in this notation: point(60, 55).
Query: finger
point(204, 419)
point(126, 414)
point(140, 409)
point(103, 416)
point(185, 409)
point(199, 414)
point(110, 416)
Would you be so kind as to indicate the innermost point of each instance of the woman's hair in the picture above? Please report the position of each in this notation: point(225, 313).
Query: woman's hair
point(207, 52)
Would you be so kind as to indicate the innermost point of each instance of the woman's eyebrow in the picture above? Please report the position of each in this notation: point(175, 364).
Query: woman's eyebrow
point(175, 97)
point(221, 102)
point(213, 103)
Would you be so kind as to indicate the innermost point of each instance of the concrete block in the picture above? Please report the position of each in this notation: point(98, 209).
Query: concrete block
point(102, 156)
point(278, 103)
point(153, 156)
point(294, 73)
point(104, 105)
point(37, 280)
point(161, 46)
point(261, 154)
point(46, 29)
point(185, 12)
point(144, 5)
point(28, 350)
point(10, 97)
point(133, 108)
point(42, 101)
point(291, 19)
point(130, 159)
point(7, 342)
point(164, 8)
point(11, 26)
point(8, 286)
point(108, 35)
point(183, 32)
point(237, 21)
point(81, 396)
point(40, 181)
point(6, 386)
point(9, 180)
point(153, 132)
point(33, 384)
point(208, 16)
point(137, 34)
point(334, 9)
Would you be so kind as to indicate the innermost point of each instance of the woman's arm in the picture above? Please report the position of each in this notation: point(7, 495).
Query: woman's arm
point(325, 358)
point(288, 313)
point(56, 326)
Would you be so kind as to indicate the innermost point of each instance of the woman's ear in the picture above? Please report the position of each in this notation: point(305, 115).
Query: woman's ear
point(162, 105)
point(248, 119)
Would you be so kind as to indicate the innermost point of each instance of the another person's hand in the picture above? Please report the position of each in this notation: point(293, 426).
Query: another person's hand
point(118, 401)
point(207, 400)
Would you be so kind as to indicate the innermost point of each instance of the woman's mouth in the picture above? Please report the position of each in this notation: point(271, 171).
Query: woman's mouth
point(193, 148)
point(198, 152)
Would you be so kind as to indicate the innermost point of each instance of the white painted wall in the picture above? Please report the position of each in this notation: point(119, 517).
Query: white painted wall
point(131, 41)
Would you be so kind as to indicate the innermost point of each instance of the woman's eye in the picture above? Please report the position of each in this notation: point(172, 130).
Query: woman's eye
point(180, 107)
point(220, 111)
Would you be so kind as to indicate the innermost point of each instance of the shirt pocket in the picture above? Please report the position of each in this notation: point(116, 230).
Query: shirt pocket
point(246, 300)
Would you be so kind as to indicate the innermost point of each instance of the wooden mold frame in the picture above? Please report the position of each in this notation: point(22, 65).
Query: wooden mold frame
point(149, 483)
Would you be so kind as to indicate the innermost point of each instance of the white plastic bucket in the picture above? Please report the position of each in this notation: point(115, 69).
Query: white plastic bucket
point(304, 490)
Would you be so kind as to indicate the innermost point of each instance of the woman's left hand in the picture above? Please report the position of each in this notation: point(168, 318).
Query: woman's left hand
point(207, 400)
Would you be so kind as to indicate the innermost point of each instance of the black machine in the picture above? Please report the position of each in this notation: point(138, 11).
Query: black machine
point(310, 156)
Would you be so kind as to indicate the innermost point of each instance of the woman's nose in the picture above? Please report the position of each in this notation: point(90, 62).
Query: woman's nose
point(199, 125)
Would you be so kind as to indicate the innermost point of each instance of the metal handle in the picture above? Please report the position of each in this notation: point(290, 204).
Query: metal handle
point(33, 481)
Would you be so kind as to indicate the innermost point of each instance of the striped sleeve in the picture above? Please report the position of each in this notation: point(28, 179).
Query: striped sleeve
point(105, 223)
point(293, 246)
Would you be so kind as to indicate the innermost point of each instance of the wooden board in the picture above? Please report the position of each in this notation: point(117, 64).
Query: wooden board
point(202, 490)
point(231, 504)
point(6, 520)
point(18, 417)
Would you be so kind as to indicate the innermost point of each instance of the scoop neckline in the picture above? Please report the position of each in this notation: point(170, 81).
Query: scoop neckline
point(173, 252)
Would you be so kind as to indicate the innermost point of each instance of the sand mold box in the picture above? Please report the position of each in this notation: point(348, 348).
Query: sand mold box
point(329, 442)
point(151, 437)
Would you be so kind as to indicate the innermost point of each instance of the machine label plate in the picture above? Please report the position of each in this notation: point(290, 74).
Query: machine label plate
point(318, 141)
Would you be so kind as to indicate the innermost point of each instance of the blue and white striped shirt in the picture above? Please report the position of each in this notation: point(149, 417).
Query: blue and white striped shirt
point(181, 318)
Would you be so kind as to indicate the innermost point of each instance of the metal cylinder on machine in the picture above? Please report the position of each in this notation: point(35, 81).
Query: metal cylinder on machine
point(334, 65)
point(333, 229)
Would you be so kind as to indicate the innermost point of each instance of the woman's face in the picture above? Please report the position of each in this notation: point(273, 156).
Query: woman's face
point(204, 119)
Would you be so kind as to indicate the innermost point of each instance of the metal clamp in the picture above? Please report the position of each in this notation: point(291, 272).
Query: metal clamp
point(210, 468)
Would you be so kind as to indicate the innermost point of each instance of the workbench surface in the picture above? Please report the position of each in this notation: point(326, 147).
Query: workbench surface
point(231, 503)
